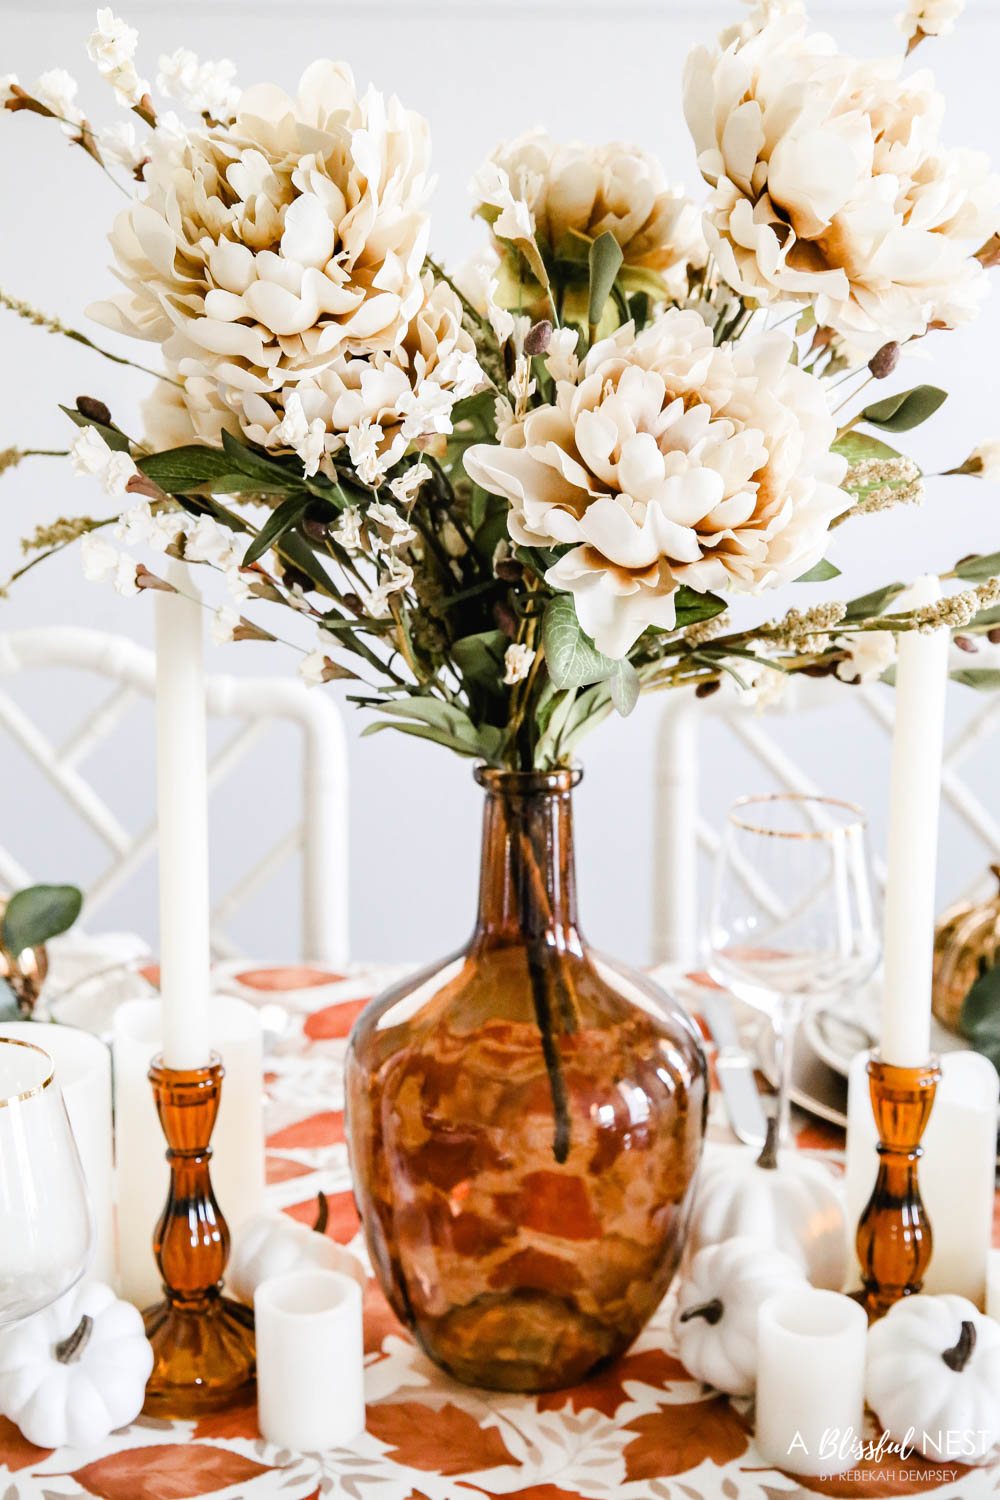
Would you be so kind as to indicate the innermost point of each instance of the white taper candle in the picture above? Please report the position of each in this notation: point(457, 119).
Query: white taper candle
point(182, 788)
point(915, 794)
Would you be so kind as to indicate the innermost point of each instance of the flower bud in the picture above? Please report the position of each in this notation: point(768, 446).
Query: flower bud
point(505, 619)
point(536, 340)
point(93, 410)
point(509, 569)
point(993, 636)
point(967, 643)
point(884, 360)
point(706, 689)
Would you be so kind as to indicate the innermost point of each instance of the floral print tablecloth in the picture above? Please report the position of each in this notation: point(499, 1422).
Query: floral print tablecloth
point(641, 1430)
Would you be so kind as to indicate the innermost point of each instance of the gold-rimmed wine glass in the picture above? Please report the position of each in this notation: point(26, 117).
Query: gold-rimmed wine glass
point(794, 912)
point(45, 1223)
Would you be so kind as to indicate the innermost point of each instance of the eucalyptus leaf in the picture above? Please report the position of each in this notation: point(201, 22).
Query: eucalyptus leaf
point(857, 446)
point(692, 607)
point(114, 438)
point(573, 659)
point(905, 409)
point(624, 686)
point(822, 571)
point(279, 521)
point(977, 569)
point(869, 605)
point(479, 658)
point(605, 259)
point(38, 913)
point(983, 679)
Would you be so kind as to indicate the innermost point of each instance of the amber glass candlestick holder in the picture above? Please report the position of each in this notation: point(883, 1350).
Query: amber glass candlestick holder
point(203, 1342)
point(894, 1240)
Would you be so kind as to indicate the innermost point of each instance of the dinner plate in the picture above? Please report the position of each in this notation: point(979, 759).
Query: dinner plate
point(837, 1030)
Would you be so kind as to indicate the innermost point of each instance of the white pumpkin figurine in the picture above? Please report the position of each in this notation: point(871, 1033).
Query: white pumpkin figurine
point(715, 1322)
point(270, 1244)
point(75, 1371)
point(933, 1377)
point(795, 1205)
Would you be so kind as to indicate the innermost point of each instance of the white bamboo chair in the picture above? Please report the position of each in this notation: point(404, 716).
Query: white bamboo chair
point(681, 831)
point(258, 704)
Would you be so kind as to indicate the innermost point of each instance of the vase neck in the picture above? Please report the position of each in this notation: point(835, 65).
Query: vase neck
point(527, 883)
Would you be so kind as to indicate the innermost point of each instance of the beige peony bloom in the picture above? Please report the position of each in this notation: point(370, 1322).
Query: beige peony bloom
point(387, 399)
point(263, 252)
point(574, 193)
point(830, 185)
point(670, 462)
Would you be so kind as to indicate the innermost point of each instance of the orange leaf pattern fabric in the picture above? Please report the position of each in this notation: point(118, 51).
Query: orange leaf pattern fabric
point(641, 1429)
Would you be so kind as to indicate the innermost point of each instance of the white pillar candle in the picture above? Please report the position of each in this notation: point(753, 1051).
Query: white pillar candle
point(993, 1285)
point(141, 1167)
point(914, 800)
point(310, 1360)
point(957, 1171)
point(83, 1072)
point(810, 1381)
point(182, 802)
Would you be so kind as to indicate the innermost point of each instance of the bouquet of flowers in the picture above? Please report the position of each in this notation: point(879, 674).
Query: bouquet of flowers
point(510, 497)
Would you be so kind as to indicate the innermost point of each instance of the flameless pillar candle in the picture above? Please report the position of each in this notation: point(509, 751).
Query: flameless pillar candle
point(810, 1381)
point(993, 1285)
point(182, 792)
point(237, 1141)
point(83, 1072)
point(914, 799)
point(957, 1169)
point(310, 1360)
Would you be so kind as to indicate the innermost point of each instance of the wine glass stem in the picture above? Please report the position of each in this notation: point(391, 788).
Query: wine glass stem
point(786, 1022)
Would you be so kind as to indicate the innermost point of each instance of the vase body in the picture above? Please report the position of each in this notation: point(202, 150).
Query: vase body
point(525, 1121)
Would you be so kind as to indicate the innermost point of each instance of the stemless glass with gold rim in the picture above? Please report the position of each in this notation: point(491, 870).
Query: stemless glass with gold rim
point(793, 911)
point(45, 1227)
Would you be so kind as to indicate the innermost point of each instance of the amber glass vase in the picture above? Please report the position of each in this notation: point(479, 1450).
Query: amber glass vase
point(525, 1120)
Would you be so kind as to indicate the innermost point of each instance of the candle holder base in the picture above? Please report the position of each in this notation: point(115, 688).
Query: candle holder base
point(894, 1240)
point(203, 1343)
point(203, 1357)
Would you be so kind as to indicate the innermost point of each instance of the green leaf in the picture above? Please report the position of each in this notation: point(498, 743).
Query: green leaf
point(479, 658)
point(983, 679)
point(980, 1016)
point(820, 573)
point(977, 569)
point(856, 446)
point(112, 435)
point(279, 521)
point(444, 723)
point(605, 258)
point(573, 659)
point(180, 469)
point(38, 913)
point(692, 607)
point(256, 465)
point(905, 409)
point(869, 605)
point(624, 685)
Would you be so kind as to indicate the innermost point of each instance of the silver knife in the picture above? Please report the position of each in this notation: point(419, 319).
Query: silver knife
point(735, 1071)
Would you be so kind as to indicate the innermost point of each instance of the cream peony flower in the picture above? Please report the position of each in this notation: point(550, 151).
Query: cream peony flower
point(517, 661)
point(830, 185)
point(264, 252)
point(670, 462)
point(575, 193)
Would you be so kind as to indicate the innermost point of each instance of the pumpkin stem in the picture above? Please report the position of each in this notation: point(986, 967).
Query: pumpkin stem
point(322, 1213)
point(768, 1158)
point(710, 1311)
point(71, 1347)
point(957, 1358)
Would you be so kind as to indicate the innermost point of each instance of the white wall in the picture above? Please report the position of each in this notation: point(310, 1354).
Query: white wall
point(480, 71)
